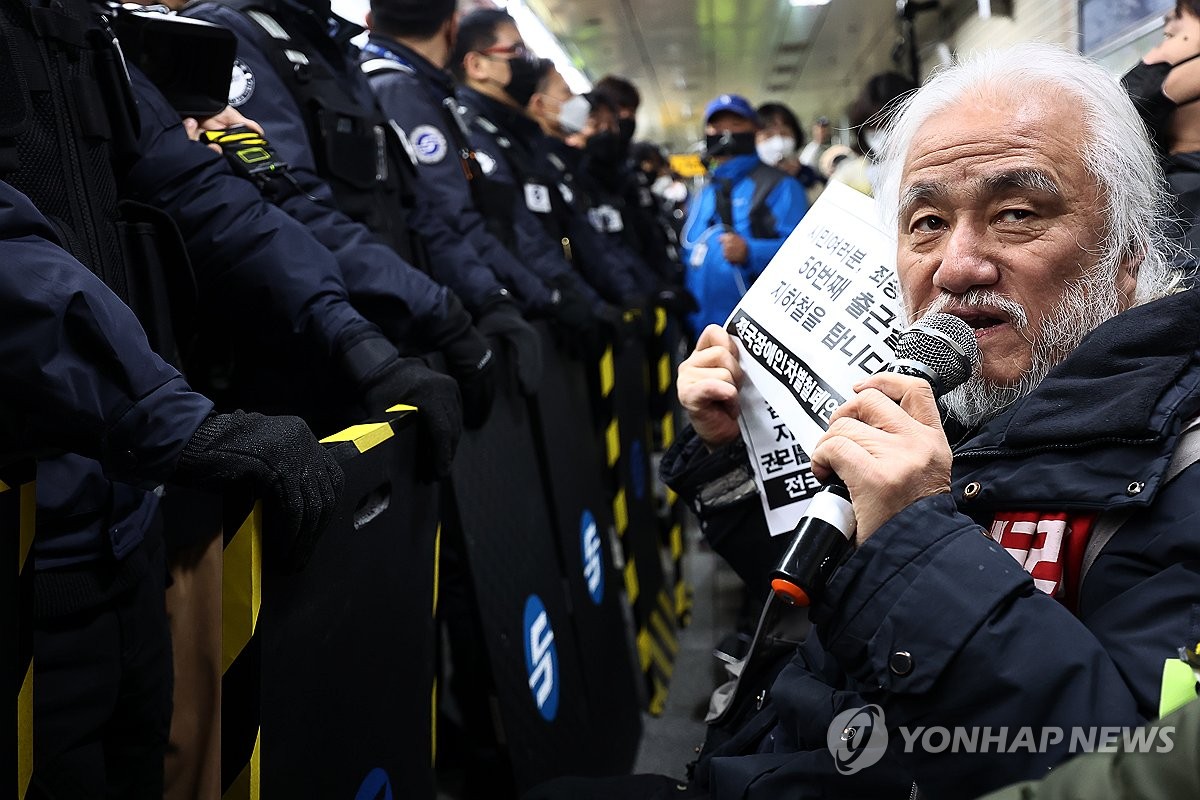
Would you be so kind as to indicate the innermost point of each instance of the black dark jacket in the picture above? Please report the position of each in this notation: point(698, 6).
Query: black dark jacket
point(982, 646)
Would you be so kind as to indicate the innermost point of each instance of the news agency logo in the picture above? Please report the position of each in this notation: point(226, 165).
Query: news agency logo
point(541, 658)
point(593, 564)
point(857, 738)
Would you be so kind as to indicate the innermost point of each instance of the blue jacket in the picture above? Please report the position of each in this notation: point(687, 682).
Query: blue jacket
point(453, 262)
point(716, 284)
point(984, 646)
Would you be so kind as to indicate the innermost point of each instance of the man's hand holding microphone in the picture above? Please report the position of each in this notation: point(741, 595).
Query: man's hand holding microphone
point(884, 449)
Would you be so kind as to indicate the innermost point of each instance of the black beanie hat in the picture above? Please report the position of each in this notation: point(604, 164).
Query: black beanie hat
point(417, 18)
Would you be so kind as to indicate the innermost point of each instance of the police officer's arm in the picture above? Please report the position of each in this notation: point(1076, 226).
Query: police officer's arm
point(77, 374)
point(244, 250)
point(76, 371)
point(788, 203)
point(443, 187)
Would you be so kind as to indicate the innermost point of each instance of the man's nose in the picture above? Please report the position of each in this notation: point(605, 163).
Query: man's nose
point(966, 262)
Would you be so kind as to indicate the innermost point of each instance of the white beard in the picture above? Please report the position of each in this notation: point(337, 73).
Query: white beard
point(1086, 303)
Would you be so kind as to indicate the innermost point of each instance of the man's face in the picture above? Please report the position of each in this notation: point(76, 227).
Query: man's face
point(489, 68)
point(601, 120)
point(724, 121)
point(995, 196)
point(546, 104)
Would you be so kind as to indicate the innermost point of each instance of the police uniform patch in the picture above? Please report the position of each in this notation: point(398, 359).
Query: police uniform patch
point(429, 144)
point(241, 83)
point(486, 162)
point(537, 198)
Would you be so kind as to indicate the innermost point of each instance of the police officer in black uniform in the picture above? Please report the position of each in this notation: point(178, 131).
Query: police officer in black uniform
point(655, 236)
point(298, 76)
point(77, 375)
point(405, 59)
point(581, 164)
point(78, 137)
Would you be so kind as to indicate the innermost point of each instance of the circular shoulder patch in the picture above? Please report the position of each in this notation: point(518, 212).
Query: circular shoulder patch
point(428, 143)
point(486, 162)
point(241, 84)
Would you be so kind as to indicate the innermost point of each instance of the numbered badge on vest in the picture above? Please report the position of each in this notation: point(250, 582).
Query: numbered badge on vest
point(537, 198)
point(606, 219)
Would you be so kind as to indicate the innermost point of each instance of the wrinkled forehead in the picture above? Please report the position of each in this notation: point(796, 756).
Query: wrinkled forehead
point(1036, 130)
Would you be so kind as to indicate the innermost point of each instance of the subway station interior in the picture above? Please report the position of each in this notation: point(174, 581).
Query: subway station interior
point(582, 399)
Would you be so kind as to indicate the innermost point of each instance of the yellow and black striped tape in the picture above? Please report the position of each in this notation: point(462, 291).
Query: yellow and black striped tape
point(241, 602)
point(657, 648)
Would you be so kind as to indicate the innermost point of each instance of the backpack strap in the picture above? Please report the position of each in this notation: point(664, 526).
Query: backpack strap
point(762, 221)
point(1187, 453)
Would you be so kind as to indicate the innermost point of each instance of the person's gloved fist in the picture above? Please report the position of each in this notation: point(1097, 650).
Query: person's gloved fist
point(438, 402)
point(469, 359)
point(299, 480)
point(472, 363)
point(504, 321)
point(573, 313)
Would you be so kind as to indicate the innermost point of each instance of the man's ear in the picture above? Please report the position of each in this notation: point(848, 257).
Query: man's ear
point(472, 67)
point(1127, 275)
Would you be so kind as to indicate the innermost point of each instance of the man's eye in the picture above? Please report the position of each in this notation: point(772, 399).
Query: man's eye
point(929, 224)
point(1015, 214)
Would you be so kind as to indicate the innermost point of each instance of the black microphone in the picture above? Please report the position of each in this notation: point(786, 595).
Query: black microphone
point(940, 348)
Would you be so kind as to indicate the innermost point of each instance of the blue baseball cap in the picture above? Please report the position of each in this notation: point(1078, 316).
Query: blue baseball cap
point(734, 103)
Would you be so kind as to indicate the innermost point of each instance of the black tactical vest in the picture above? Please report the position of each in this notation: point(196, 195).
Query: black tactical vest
point(354, 146)
point(60, 75)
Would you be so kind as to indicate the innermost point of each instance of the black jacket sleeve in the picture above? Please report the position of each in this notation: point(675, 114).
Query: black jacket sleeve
point(251, 258)
point(76, 372)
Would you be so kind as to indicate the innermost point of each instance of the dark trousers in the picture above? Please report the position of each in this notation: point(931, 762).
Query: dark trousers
point(102, 697)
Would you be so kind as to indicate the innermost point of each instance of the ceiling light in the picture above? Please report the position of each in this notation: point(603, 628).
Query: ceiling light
point(799, 3)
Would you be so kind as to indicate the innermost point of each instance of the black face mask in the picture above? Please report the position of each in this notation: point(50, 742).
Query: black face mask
point(605, 150)
point(523, 83)
point(729, 144)
point(627, 126)
point(1144, 85)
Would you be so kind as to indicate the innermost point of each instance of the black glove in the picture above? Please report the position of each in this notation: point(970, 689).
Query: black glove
point(469, 359)
point(504, 321)
point(573, 313)
point(279, 456)
point(439, 406)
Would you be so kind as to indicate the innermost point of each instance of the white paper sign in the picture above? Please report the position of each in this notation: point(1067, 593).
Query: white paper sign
point(824, 314)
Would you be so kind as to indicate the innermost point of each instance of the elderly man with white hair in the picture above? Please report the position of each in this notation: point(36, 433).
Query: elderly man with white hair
point(1026, 200)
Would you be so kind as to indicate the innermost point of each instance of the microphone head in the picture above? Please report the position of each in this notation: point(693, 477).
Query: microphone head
point(944, 344)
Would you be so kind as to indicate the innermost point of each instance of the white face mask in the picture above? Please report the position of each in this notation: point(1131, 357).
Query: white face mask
point(776, 149)
point(573, 115)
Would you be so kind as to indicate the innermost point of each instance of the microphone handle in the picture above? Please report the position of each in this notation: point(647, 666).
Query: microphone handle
point(819, 543)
